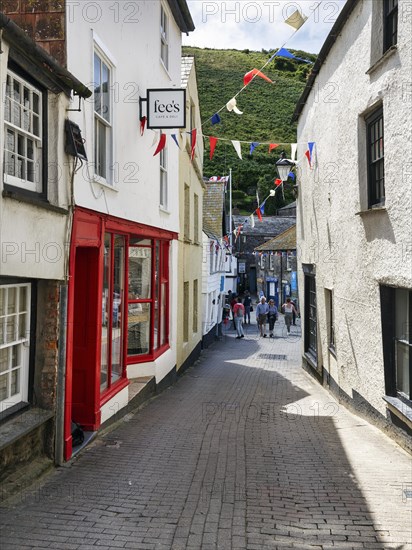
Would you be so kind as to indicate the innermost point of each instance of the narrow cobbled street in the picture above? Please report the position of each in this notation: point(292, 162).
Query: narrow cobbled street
point(246, 451)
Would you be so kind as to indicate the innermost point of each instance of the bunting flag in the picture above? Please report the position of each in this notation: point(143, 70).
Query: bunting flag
point(174, 137)
point(155, 137)
point(194, 135)
point(292, 176)
point(253, 74)
point(272, 192)
point(296, 20)
point(283, 52)
point(273, 146)
point(238, 149)
point(252, 221)
point(161, 145)
point(307, 155)
point(218, 179)
point(311, 144)
point(226, 239)
point(232, 106)
point(215, 119)
point(212, 142)
point(262, 207)
point(278, 182)
point(259, 214)
point(294, 148)
point(142, 124)
point(239, 229)
point(253, 146)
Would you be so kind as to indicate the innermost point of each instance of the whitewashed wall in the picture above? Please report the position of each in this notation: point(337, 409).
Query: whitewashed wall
point(353, 252)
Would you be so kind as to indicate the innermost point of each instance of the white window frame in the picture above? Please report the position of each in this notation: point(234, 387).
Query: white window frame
point(163, 187)
point(288, 262)
point(272, 262)
point(164, 37)
point(27, 115)
point(19, 341)
point(105, 176)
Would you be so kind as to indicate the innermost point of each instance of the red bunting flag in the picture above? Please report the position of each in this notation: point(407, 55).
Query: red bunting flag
point(161, 145)
point(278, 182)
point(212, 142)
point(307, 155)
point(273, 146)
point(194, 135)
point(142, 124)
point(253, 73)
point(259, 214)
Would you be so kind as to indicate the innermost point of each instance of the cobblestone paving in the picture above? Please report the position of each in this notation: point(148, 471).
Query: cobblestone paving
point(246, 451)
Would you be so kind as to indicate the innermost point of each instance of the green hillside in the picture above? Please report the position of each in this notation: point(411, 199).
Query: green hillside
point(267, 111)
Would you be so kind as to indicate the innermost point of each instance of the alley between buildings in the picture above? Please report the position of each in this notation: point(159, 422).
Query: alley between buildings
point(245, 451)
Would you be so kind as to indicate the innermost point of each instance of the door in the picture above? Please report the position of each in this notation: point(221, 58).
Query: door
point(85, 403)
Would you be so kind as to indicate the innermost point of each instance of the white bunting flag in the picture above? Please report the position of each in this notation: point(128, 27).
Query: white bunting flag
point(252, 220)
point(231, 106)
point(296, 20)
point(236, 145)
point(294, 147)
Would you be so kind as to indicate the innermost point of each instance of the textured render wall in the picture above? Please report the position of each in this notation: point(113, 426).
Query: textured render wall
point(190, 251)
point(355, 253)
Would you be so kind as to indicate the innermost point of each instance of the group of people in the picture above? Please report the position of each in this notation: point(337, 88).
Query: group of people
point(266, 312)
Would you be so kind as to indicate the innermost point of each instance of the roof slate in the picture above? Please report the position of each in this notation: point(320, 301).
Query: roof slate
point(213, 208)
point(284, 241)
point(270, 226)
point(186, 67)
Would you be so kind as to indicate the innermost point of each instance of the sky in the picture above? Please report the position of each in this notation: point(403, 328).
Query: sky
point(259, 24)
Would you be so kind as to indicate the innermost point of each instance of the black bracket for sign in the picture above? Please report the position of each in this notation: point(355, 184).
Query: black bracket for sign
point(141, 112)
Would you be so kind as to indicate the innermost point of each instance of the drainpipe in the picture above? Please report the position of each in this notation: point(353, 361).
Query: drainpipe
point(61, 378)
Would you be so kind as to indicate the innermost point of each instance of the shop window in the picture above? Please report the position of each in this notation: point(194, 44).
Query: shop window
point(163, 179)
point(375, 159)
point(390, 24)
point(24, 118)
point(396, 308)
point(102, 118)
point(164, 37)
point(14, 344)
point(112, 311)
point(148, 296)
point(310, 316)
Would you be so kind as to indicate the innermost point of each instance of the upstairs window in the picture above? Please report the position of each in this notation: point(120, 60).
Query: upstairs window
point(23, 136)
point(163, 179)
point(164, 37)
point(102, 118)
point(375, 159)
point(390, 24)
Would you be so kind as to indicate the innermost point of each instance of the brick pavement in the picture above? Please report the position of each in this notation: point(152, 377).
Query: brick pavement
point(244, 452)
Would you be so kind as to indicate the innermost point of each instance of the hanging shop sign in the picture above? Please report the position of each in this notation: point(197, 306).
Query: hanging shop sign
point(165, 108)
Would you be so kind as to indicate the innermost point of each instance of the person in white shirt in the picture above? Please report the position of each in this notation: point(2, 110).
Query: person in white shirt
point(261, 316)
point(288, 309)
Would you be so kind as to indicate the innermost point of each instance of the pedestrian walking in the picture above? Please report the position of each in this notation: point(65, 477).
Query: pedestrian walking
point(272, 317)
point(261, 315)
point(232, 305)
point(288, 309)
point(247, 302)
point(295, 313)
point(238, 314)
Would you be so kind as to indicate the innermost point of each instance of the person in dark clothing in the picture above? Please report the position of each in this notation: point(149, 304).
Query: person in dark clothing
point(247, 302)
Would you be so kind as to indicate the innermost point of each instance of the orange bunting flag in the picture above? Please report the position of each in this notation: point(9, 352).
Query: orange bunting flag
point(194, 135)
point(253, 73)
point(308, 156)
point(278, 182)
point(161, 145)
point(212, 142)
point(259, 214)
point(273, 146)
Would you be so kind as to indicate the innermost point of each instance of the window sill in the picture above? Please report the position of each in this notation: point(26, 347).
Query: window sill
point(22, 424)
point(400, 409)
point(377, 209)
point(389, 53)
point(115, 388)
point(311, 360)
point(101, 181)
point(14, 194)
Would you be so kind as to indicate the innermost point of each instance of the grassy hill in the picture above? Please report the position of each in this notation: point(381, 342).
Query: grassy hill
point(267, 111)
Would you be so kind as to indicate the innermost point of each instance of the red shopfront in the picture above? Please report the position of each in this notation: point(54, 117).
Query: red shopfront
point(118, 310)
